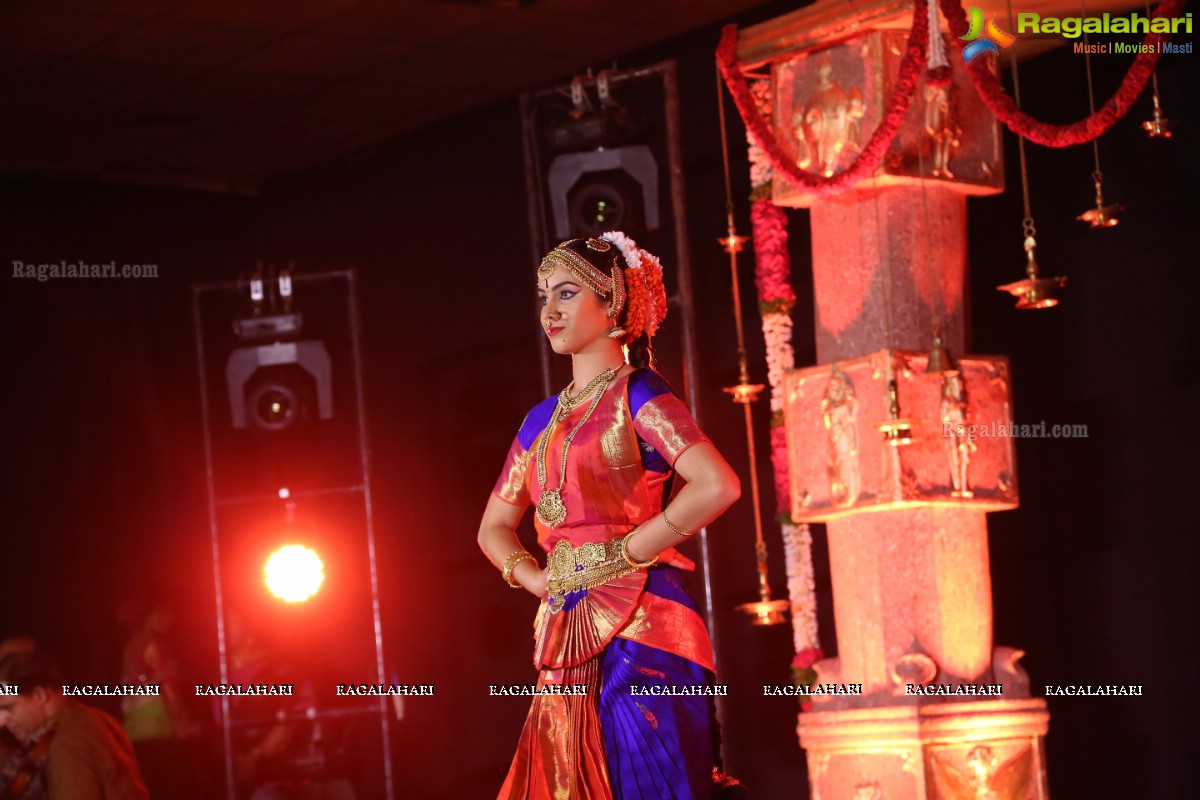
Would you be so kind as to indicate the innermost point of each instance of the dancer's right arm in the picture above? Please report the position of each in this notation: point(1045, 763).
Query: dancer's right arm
point(498, 540)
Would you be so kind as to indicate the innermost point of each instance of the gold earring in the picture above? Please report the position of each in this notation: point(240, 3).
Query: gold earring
point(616, 331)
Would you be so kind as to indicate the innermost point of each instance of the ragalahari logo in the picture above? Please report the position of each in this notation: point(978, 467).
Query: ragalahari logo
point(990, 32)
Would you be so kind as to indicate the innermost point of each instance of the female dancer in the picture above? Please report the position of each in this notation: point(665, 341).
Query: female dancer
point(597, 461)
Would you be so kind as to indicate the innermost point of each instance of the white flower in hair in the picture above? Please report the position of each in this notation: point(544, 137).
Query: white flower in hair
point(627, 246)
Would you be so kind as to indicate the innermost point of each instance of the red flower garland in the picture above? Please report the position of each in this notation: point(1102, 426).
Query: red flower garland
point(772, 276)
point(806, 658)
point(987, 84)
point(866, 161)
point(1085, 130)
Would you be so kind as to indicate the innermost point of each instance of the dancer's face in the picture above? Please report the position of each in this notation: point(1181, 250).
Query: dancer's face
point(572, 316)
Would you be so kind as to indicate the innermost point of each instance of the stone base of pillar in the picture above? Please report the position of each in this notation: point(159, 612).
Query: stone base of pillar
point(939, 751)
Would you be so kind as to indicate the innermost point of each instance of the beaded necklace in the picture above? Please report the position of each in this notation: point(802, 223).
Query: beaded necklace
point(550, 507)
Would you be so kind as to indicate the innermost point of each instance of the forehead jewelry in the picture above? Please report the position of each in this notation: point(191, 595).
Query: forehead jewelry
point(605, 285)
point(551, 509)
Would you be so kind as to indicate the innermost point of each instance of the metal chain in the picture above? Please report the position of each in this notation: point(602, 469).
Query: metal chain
point(1087, 64)
point(1027, 223)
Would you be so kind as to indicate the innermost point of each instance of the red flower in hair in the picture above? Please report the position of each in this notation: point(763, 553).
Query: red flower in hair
point(645, 297)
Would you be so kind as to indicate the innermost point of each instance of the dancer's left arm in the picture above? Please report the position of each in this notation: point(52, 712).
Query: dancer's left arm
point(712, 486)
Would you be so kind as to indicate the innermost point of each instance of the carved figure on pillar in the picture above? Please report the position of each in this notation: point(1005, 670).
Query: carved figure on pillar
point(839, 410)
point(982, 778)
point(828, 123)
point(867, 791)
point(959, 442)
point(941, 125)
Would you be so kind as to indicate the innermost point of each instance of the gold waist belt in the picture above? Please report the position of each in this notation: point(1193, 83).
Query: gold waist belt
point(573, 569)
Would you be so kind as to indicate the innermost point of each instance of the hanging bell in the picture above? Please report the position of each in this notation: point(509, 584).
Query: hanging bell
point(940, 362)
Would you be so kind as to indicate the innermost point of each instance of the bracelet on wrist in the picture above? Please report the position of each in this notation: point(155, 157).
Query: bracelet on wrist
point(629, 559)
point(671, 525)
point(510, 564)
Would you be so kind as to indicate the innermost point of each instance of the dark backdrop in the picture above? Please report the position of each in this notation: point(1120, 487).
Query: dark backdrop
point(104, 496)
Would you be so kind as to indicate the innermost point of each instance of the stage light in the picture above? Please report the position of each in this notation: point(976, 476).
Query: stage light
point(604, 175)
point(605, 201)
point(294, 573)
point(273, 406)
point(624, 178)
point(268, 384)
point(275, 375)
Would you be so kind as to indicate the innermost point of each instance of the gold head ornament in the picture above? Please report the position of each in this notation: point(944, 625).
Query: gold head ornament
point(610, 285)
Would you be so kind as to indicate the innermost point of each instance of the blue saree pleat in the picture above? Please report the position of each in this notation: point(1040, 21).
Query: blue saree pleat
point(657, 746)
point(634, 757)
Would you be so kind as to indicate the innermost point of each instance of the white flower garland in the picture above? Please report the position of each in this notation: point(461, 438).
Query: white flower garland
point(777, 331)
point(802, 588)
point(629, 249)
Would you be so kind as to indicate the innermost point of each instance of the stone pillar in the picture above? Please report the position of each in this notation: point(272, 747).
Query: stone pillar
point(875, 444)
point(920, 585)
point(880, 272)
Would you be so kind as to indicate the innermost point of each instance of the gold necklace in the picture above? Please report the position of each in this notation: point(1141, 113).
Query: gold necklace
point(550, 507)
point(567, 402)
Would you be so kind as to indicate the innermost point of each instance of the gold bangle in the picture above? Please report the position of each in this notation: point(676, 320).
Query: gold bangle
point(671, 525)
point(625, 553)
point(510, 564)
